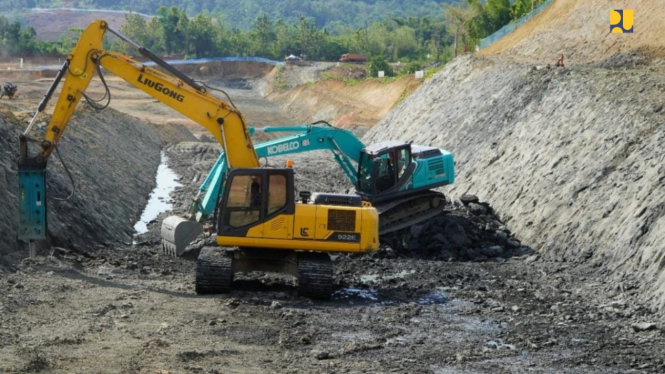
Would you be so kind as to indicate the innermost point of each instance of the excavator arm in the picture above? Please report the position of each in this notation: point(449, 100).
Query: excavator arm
point(169, 86)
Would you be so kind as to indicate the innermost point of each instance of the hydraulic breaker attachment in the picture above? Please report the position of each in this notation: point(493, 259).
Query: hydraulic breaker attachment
point(32, 200)
point(177, 233)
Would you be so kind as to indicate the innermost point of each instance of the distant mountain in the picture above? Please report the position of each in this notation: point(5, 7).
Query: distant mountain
point(333, 14)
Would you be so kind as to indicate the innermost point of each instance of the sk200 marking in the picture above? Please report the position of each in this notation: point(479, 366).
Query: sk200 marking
point(346, 237)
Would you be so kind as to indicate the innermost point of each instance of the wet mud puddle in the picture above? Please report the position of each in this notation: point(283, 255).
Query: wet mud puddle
point(159, 200)
point(369, 291)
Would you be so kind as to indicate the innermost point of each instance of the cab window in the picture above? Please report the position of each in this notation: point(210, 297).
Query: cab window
point(386, 175)
point(402, 162)
point(276, 193)
point(245, 200)
point(365, 173)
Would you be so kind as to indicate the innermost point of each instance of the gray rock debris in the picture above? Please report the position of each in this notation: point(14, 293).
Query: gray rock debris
point(571, 156)
point(462, 233)
point(643, 326)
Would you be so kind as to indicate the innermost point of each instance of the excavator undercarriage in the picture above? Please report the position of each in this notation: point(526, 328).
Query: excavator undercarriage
point(216, 267)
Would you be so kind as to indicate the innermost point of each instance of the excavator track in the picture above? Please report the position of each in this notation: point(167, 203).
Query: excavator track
point(315, 275)
point(214, 271)
point(402, 213)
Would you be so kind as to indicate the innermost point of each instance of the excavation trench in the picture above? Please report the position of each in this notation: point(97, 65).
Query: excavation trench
point(160, 198)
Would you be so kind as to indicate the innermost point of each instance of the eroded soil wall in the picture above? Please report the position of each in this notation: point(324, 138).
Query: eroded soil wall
point(113, 159)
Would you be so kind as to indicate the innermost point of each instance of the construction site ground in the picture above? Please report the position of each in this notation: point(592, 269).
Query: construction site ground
point(131, 309)
point(557, 268)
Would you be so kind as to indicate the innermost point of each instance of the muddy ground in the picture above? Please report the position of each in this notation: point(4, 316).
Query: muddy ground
point(133, 310)
point(436, 302)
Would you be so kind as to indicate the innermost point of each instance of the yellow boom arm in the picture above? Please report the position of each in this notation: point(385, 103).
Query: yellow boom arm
point(220, 118)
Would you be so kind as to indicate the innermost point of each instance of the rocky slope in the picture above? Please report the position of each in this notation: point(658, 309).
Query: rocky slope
point(570, 157)
point(113, 165)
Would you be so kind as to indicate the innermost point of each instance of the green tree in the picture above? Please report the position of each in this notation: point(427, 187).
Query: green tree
point(404, 42)
point(201, 36)
point(498, 12)
point(69, 39)
point(488, 17)
point(264, 35)
point(377, 39)
point(240, 43)
point(523, 7)
point(457, 17)
point(173, 25)
point(136, 29)
point(307, 37)
point(438, 40)
point(379, 63)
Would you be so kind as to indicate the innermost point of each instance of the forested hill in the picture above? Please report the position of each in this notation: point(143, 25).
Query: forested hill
point(332, 14)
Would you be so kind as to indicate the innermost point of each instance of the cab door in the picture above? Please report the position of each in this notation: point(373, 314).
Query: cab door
point(279, 206)
point(257, 203)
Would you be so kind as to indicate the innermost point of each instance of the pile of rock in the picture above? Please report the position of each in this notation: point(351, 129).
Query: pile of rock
point(467, 230)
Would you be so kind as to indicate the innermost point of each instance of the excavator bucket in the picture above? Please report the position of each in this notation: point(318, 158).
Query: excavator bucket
point(178, 233)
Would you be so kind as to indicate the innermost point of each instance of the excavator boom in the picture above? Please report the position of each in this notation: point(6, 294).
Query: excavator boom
point(192, 100)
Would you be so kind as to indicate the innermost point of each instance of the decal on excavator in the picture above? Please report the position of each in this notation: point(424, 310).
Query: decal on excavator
point(275, 149)
point(160, 88)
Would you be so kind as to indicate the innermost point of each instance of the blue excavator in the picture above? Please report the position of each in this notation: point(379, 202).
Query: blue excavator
point(396, 178)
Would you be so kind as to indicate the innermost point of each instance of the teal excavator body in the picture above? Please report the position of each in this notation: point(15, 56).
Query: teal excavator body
point(395, 177)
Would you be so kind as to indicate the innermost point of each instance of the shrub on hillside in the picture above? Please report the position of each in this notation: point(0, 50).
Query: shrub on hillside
point(377, 64)
point(412, 67)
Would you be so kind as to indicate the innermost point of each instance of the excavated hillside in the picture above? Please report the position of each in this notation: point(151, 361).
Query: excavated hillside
point(113, 159)
point(571, 156)
point(579, 29)
point(352, 106)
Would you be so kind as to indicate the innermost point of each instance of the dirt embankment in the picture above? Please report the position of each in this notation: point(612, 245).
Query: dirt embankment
point(580, 30)
point(227, 70)
point(343, 104)
point(572, 157)
point(113, 159)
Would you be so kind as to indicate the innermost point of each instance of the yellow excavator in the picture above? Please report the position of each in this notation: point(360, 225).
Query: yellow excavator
point(261, 225)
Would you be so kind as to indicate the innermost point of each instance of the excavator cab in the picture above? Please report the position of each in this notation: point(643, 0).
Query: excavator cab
point(252, 197)
point(384, 168)
point(397, 178)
